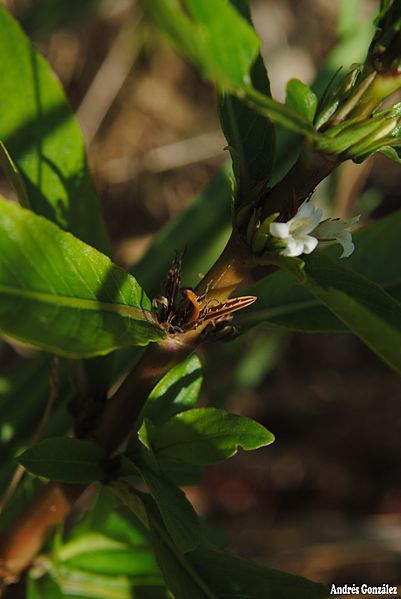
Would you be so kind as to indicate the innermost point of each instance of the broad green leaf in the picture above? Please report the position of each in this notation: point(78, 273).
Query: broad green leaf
point(301, 99)
point(65, 459)
point(211, 34)
point(282, 302)
point(178, 515)
point(368, 310)
point(224, 47)
point(63, 295)
point(39, 130)
point(250, 136)
point(206, 435)
point(176, 392)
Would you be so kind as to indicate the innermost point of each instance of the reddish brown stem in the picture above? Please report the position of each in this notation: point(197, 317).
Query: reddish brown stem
point(28, 534)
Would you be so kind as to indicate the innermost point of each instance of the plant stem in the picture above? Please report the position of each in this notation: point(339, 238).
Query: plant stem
point(27, 535)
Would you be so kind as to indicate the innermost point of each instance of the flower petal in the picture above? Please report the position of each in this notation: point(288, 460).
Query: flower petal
point(309, 243)
point(345, 239)
point(305, 220)
point(294, 247)
point(280, 230)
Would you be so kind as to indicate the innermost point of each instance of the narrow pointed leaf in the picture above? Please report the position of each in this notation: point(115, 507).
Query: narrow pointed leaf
point(207, 573)
point(63, 295)
point(250, 136)
point(364, 307)
point(231, 577)
point(178, 515)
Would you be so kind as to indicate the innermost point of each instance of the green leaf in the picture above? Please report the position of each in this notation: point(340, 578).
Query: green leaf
point(211, 34)
point(180, 576)
point(30, 380)
point(63, 295)
point(391, 153)
point(13, 175)
point(43, 588)
point(176, 392)
point(209, 573)
point(301, 99)
point(250, 136)
point(77, 584)
point(232, 577)
point(100, 555)
point(368, 310)
point(178, 515)
point(39, 130)
point(283, 303)
point(206, 435)
point(183, 475)
point(280, 113)
point(65, 459)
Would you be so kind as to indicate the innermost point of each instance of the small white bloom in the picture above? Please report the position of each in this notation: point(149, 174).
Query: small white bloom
point(295, 232)
point(304, 231)
point(333, 230)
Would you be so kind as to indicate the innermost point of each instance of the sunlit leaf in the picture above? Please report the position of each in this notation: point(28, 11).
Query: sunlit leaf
point(212, 34)
point(63, 295)
point(39, 130)
point(176, 392)
point(206, 435)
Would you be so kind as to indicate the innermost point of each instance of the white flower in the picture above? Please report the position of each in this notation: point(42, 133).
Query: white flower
point(333, 230)
point(295, 233)
point(304, 231)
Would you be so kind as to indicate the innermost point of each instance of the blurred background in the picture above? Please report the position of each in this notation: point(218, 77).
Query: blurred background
point(325, 499)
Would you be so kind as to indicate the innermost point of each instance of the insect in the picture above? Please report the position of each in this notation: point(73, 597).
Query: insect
point(165, 304)
point(194, 310)
point(212, 311)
